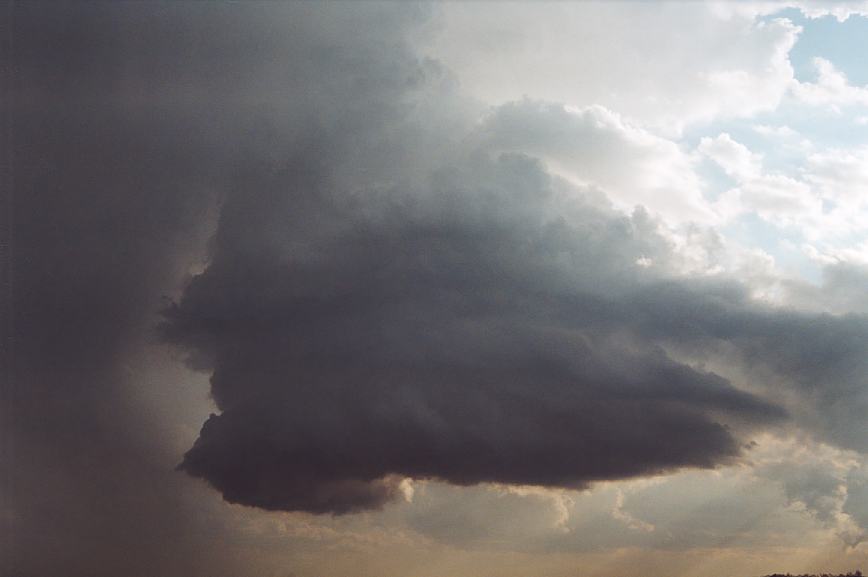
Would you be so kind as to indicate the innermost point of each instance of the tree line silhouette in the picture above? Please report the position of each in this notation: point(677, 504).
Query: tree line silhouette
point(857, 573)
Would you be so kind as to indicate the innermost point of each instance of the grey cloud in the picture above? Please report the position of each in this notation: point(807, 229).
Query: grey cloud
point(693, 509)
point(472, 318)
point(856, 502)
point(816, 357)
point(841, 291)
point(125, 121)
point(487, 517)
point(819, 487)
point(814, 363)
point(830, 488)
point(471, 330)
point(698, 509)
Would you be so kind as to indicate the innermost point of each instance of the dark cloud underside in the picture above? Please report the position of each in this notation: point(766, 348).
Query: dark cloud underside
point(471, 331)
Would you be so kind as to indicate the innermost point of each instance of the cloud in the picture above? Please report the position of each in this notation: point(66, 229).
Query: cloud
point(817, 487)
point(663, 67)
point(813, 9)
point(462, 337)
point(777, 198)
point(831, 90)
point(595, 146)
point(733, 157)
point(840, 291)
point(729, 509)
point(774, 197)
point(840, 176)
point(403, 282)
point(821, 482)
point(440, 304)
point(485, 516)
point(840, 10)
point(814, 364)
point(124, 122)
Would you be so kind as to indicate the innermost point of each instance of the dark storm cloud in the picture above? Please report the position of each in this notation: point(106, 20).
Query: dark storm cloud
point(428, 307)
point(472, 326)
point(124, 121)
point(389, 297)
point(815, 363)
point(103, 187)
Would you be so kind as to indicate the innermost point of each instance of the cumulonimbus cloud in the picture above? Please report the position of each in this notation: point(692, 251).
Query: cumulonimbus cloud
point(398, 297)
point(479, 333)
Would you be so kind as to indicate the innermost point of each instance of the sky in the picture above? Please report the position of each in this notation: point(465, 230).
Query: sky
point(477, 289)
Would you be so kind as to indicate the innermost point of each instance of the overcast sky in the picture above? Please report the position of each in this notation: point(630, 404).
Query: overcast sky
point(434, 290)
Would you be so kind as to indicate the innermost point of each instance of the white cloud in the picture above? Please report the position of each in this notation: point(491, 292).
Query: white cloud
point(841, 10)
point(840, 175)
point(784, 136)
point(824, 200)
point(854, 254)
point(595, 146)
point(664, 66)
point(774, 197)
point(831, 90)
point(733, 157)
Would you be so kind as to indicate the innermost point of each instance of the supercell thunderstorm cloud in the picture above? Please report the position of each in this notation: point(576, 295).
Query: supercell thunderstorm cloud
point(431, 298)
